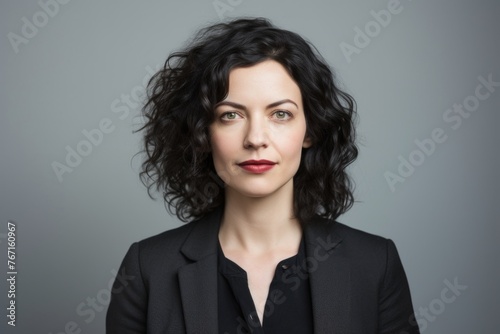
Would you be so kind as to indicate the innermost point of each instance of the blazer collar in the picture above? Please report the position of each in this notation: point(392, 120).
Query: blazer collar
point(198, 280)
point(329, 276)
point(203, 239)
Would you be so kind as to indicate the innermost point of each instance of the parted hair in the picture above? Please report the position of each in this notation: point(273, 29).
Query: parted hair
point(180, 108)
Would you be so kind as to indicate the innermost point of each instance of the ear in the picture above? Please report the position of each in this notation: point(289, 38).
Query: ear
point(307, 142)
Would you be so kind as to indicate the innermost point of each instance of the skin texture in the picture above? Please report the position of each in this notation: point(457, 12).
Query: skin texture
point(275, 134)
point(257, 229)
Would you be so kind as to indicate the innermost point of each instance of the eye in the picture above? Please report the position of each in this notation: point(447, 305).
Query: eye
point(282, 114)
point(229, 115)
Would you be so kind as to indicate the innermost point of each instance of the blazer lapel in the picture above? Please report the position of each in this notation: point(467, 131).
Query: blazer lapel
point(198, 280)
point(329, 277)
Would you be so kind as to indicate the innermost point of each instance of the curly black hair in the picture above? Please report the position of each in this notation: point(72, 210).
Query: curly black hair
point(180, 108)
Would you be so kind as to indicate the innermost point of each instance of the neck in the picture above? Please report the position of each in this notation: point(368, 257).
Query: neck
point(259, 224)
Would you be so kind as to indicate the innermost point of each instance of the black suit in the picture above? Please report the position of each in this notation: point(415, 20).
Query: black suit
point(358, 284)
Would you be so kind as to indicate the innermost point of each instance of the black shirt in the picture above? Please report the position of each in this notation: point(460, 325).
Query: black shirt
point(288, 307)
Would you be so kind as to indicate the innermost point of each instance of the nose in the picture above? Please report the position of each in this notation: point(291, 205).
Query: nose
point(257, 133)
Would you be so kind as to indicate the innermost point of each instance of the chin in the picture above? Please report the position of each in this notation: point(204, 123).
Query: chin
point(258, 189)
point(254, 193)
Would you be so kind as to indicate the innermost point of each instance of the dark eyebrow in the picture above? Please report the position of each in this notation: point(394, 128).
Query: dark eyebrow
point(242, 107)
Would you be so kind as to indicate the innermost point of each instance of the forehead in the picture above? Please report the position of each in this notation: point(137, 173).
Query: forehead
point(266, 82)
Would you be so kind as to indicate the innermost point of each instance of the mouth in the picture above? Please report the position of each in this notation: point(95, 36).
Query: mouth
point(257, 166)
point(257, 163)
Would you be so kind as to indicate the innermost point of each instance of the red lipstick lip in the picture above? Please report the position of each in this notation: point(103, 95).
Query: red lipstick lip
point(257, 162)
point(257, 169)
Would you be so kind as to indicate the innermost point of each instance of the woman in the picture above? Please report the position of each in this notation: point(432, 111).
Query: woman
point(249, 137)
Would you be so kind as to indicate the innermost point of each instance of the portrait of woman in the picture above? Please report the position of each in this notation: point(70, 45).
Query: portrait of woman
point(248, 137)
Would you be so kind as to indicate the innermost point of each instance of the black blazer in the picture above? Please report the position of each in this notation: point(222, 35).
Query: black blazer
point(168, 283)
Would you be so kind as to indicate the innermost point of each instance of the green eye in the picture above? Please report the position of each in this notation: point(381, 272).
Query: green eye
point(281, 114)
point(229, 115)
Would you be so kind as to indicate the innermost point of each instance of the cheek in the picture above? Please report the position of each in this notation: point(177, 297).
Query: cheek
point(216, 149)
point(223, 154)
point(291, 145)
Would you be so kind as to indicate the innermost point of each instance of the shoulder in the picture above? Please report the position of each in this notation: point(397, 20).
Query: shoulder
point(349, 242)
point(167, 242)
point(358, 237)
point(371, 258)
point(369, 265)
point(324, 227)
point(194, 239)
point(171, 238)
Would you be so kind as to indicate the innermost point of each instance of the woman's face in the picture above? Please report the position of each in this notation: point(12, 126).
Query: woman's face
point(262, 118)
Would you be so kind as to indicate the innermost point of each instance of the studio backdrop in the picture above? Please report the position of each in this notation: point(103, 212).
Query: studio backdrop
point(426, 79)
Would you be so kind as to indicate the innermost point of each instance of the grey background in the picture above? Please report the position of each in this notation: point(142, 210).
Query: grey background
point(72, 234)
